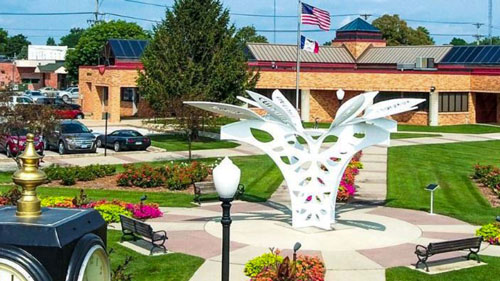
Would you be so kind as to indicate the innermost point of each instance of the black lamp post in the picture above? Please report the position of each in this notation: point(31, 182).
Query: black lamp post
point(340, 96)
point(226, 179)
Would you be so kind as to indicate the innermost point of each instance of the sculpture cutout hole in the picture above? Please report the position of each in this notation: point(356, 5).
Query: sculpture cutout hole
point(359, 135)
point(261, 135)
point(278, 149)
point(300, 139)
point(285, 160)
point(322, 167)
point(291, 142)
point(331, 138)
point(321, 181)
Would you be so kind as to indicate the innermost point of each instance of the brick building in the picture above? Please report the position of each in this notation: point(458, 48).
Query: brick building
point(112, 87)
point(461, 85)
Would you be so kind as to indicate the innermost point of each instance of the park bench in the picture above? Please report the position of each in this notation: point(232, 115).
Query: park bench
point(207, 187)
point(131, 226)
point(471, 244)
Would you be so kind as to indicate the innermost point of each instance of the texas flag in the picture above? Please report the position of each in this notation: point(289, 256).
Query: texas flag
point(309, 45)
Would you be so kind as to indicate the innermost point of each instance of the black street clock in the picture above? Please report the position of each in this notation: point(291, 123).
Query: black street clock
point(59, 245)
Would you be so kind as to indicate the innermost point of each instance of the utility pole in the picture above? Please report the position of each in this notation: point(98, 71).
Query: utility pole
point(365, 16)
point(96, 10)
point(274, 18)
point(478, 36)
point(490, 20)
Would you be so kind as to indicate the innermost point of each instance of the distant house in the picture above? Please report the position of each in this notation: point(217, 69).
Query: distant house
point(461, 85)
point(112, 86)
point(44, 67)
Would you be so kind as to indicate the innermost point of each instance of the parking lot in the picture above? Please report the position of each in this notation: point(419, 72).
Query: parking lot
point(98, 130)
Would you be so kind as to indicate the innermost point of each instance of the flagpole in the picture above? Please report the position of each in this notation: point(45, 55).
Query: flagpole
point(297, 80)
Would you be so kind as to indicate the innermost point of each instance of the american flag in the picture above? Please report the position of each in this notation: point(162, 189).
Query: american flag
point(314, 16)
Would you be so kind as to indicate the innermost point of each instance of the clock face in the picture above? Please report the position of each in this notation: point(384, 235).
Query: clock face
point(11, 271)
point(95, 266)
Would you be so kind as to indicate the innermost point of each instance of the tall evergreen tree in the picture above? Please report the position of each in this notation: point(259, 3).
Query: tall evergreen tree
point(194, 55)
point(51, 41)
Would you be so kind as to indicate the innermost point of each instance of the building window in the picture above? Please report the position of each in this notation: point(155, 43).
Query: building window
point(288, 93)
point(383, 96)
point(129, 94)
point(30, 81)
point(453, 102)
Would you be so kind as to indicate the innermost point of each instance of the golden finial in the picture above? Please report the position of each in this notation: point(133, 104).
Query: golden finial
point(29, 176)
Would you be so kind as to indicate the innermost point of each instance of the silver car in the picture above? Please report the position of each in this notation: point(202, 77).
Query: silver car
point(70, 93)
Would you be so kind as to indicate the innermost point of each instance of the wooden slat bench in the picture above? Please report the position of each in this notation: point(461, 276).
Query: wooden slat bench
point(206, 187)
point(471, 244)
point(131, 226)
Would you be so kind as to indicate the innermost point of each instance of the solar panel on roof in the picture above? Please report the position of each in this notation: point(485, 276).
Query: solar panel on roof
point(473, 55)
point(128, 49)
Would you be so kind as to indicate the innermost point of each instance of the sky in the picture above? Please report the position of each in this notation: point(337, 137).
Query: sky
point(39, 28)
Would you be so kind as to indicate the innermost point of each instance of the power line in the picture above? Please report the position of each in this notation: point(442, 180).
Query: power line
point(33, 29)
point(46, 14)
point(130, 17)
point(147, 3)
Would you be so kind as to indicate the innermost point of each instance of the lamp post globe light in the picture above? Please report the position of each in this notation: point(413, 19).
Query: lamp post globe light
point(340, 95)
point(226, 179)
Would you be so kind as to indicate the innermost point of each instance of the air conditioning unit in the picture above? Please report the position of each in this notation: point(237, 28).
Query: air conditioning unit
point(421, 63)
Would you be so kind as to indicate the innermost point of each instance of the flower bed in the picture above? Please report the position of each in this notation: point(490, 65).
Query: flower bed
point(347, 187)
point(110, 210)
point(69, 175)
point(488, 175)
point(273, 267)
point(490, 233)
point(173, 176)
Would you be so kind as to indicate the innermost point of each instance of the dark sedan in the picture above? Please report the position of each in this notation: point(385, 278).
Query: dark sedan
point(124, 140)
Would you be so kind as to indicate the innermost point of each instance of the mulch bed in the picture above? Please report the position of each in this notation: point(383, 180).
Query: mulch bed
point(488, 193)
point(109, 183)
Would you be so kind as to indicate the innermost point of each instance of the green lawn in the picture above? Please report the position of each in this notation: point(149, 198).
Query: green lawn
point(484, 272)
point(411, 168)
point(458, 129)
point(259, 174)
point(171, 267)
point(179, 143)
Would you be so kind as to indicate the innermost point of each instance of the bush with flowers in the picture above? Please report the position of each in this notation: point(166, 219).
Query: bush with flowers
point(172, 176)
point(347, 187)
point(490, 233)
point(300, 268)
point(488, 175)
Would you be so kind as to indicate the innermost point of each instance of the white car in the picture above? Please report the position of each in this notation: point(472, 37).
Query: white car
point(15, 100)
point(70, 93)
point(49, 91)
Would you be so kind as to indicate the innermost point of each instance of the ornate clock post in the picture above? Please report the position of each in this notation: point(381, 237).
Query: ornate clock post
point(49, 244)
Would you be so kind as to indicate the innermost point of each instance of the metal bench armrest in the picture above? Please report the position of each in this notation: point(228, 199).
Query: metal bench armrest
point(421, 250)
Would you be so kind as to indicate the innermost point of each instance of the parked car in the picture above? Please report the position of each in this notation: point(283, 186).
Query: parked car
point(16, 100)
point(34, 95)
point(15, 142)
point(71, 136)
point(49, 91)
point(70, 93)
point(124, 140)
point(63, 110)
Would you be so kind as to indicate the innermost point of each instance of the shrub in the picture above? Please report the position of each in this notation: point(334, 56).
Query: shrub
point(303, 268)
point(172, 176)
point(257, 264)
point(490, 233)
point(111, 212)
point(57, 202)
point(10, 197)
point(480, 171)
point(70, 174)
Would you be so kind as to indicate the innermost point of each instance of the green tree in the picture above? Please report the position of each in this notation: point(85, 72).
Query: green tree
point(327, 43)
point(15, 46)
point(91, 43)
point(72, 38)
point(397, 32)
point(51, 41)
point(495, 40)
point(194, 55)
point(3, 40)
point(458, 42)
point(248, 34)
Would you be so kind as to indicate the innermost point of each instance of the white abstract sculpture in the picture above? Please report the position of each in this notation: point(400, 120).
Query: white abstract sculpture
point(312, 169)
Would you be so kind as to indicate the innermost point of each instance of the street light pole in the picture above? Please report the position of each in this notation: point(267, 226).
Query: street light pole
point(226, 179)
point(226, 224)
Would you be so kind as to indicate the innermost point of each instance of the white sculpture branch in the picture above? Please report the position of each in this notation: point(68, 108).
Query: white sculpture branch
point(312, 168)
